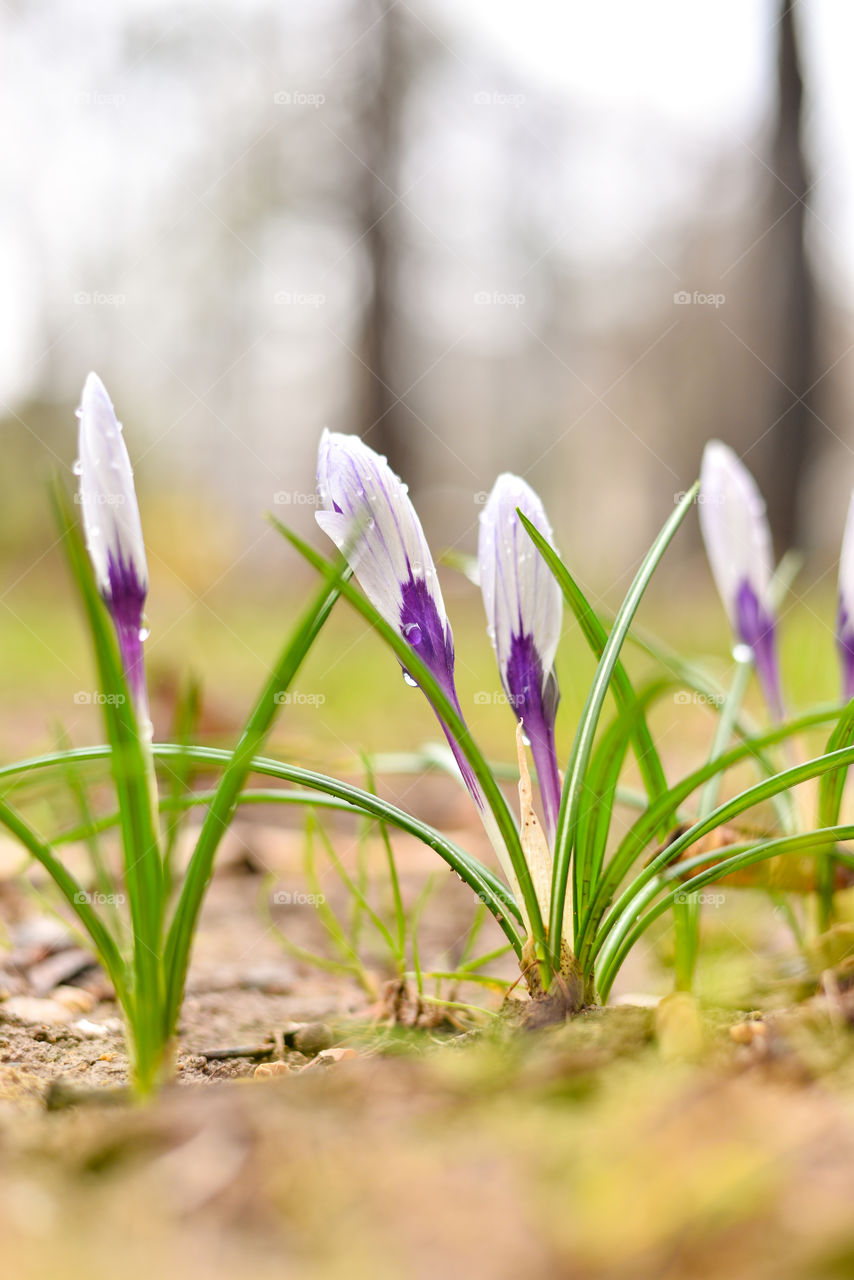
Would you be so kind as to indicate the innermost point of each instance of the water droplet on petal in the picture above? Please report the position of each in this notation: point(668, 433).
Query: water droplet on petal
point(412, 632)
point(526, 740)
point(407, 678)
point(77, 467)
point(144, 633)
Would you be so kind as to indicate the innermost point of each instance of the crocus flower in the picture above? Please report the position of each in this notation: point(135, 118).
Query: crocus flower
point(845, 616)
point(738, 544)
point(113, 531)
point(523, 611)
point(368, 515)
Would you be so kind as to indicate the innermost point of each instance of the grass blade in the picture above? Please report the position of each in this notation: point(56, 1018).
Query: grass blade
point(408, 657)
point(572, 791)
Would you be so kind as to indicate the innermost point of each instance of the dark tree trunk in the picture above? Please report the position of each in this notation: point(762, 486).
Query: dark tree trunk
point(384, 420)
point(793, 435)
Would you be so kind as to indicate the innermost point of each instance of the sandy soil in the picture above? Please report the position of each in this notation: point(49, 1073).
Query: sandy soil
point(632, 1142)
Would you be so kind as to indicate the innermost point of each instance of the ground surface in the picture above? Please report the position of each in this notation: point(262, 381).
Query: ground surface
point(632, 1142)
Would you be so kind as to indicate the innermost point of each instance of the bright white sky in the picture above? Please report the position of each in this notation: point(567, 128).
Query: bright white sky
point(697, 73)
point(696, 69)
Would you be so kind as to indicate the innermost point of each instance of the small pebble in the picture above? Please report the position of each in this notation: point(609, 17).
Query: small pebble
point(74, 999)
point(269, 1069)
point(90, 1029)
point(311, 1039)
point(748, 1032)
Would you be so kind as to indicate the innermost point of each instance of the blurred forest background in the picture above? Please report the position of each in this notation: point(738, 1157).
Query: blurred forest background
point(566, 239)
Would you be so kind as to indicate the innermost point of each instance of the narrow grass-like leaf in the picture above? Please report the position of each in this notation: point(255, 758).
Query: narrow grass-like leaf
point(104, 943)
point(132, 780)
point(649, 761)
point(483, 881)
point(638, 837)
point(723, 814)
point(594, 820)
point(583, 745)
point(633, 928)
point(408, 657)
point(830, 791)
point(185, 723)
point(218, 818)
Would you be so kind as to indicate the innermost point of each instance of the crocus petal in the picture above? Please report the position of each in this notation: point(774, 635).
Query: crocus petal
point(845, 616)
point(523, 611)
point(368, 515)
point(112, 526)
point(738, 543)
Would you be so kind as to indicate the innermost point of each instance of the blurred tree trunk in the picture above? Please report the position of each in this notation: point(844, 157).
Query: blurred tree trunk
point(383, 420)
point(793, 436)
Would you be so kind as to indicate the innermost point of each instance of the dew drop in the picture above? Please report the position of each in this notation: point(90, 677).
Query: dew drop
point(77, 467)
point(407, 678)
point(412, 632)
point(144, 633)
point(526, 740)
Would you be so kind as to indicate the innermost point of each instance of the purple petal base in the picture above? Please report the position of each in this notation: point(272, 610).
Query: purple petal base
point(845, 641)
point(534, 702)
point(422, 628)
point(756, 629)
point(126, 601)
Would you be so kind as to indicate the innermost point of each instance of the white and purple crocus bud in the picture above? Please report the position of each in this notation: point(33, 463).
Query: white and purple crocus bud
point(845, 616)
point(523, 610)
point(368, 515)
point(113, 531)
point(738, 543)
